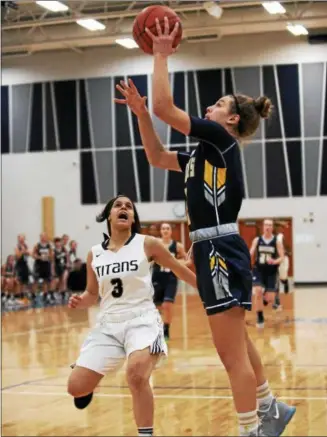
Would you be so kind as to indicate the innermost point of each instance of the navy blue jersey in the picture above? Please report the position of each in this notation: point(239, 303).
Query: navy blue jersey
point(214, 187)
point(266, 250)
point(157, 269)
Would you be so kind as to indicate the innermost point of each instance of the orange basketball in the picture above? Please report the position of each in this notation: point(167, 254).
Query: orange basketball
point(146, 18)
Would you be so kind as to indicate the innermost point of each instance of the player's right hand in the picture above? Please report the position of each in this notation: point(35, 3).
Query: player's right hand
point(74, 301)
point(132, 97)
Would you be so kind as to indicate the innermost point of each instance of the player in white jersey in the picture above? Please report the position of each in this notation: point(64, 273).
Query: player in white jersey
point(128, 326)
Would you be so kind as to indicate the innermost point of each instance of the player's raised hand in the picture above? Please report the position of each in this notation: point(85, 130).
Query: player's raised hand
point(163, 42)
point(74, 301)
point(132, 97)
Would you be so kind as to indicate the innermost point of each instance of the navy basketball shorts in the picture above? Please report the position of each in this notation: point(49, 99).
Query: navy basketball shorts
point(223, 270)
point(165, 288)
point(268, 281)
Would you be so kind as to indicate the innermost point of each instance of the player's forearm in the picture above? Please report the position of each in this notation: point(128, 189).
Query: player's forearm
point(185, 274)
point(162, 97)
point(279, 260)
point(150, 140)
point(87, 300)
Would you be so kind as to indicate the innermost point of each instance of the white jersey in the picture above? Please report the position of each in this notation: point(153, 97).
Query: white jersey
point(124, 277)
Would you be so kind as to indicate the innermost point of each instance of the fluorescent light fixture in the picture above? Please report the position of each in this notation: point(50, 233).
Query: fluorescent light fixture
point(297, 29)
point(274, 7)
point(90, 24)
point(53, 6)
point(128, 43)
point(213, 9)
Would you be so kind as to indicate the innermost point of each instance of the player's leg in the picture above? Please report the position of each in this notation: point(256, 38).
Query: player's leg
point(99, 354)
point(272, 290)
point(274, 415)
point(221, 288)
point(258, 291)
point(168, 305)
point(139, 368)
point(145, 344)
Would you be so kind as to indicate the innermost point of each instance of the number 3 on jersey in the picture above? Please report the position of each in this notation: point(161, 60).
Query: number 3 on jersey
point(118, 287)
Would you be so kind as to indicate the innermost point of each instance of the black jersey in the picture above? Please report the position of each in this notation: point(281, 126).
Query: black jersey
point(159, 270)
point(266, 250)
point(22, 260)
point(9, 270)
point(214, 186)
point(60, 257)
point(43, 251)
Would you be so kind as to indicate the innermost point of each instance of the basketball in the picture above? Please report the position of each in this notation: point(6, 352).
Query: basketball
point(146, 18)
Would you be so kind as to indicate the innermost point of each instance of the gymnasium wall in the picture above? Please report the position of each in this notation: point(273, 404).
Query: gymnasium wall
point(62, 136)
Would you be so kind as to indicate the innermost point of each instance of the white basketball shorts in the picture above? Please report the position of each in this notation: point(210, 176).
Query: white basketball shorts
point(110, 342)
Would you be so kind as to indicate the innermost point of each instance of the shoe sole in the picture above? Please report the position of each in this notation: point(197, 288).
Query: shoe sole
point(288, 418)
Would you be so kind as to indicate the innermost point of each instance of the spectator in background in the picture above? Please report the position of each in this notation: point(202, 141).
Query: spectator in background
point(72, 254)
point(8, 280)
point(22, 270)
point(77, 277)
point(65, 240)
point(43, 267)
point(60, 267)
point(153, 230)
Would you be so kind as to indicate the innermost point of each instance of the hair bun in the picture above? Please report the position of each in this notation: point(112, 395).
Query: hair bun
point(263, 106)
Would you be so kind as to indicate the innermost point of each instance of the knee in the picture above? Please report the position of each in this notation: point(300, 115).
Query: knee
point(167, 305)
point(75, 386)
point(258, 292)
point(136, 376)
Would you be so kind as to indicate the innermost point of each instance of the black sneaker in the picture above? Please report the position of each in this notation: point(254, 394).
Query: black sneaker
point(83, 401)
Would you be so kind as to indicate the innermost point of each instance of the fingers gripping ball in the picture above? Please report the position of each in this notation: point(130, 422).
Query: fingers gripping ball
point(147, 18)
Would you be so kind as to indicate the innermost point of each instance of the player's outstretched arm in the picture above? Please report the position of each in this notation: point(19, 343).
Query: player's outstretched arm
point(163, 104)
point(157, 252)
point(157, 155)
point(90, 295)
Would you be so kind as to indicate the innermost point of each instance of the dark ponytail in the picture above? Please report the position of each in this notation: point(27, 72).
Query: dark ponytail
point(104, 214)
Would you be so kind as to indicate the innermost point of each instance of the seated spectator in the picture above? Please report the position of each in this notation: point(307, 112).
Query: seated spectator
point(8, 279)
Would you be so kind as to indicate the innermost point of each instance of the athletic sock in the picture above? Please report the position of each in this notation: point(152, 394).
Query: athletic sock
point(248, 422)
point(264, 396)
point(145, 432)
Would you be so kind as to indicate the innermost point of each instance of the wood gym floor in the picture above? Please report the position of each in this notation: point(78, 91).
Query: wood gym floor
point(192, 395)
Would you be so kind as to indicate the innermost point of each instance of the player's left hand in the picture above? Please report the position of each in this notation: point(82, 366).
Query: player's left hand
point(162, 43)
point(132, 97)
point(271, 261)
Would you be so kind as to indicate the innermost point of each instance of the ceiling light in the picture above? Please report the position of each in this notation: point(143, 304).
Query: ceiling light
point(53, 6)
point(274, 7)
point(128, 43)
point(297, 29)
point(213, 9)
point(90, 24)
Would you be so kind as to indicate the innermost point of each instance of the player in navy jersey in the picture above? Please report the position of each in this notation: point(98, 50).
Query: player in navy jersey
point(164, 280)
point(214, 192)
point(268, 254)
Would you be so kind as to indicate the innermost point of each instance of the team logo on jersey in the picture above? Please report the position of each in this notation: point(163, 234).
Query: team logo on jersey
point(119, 267)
